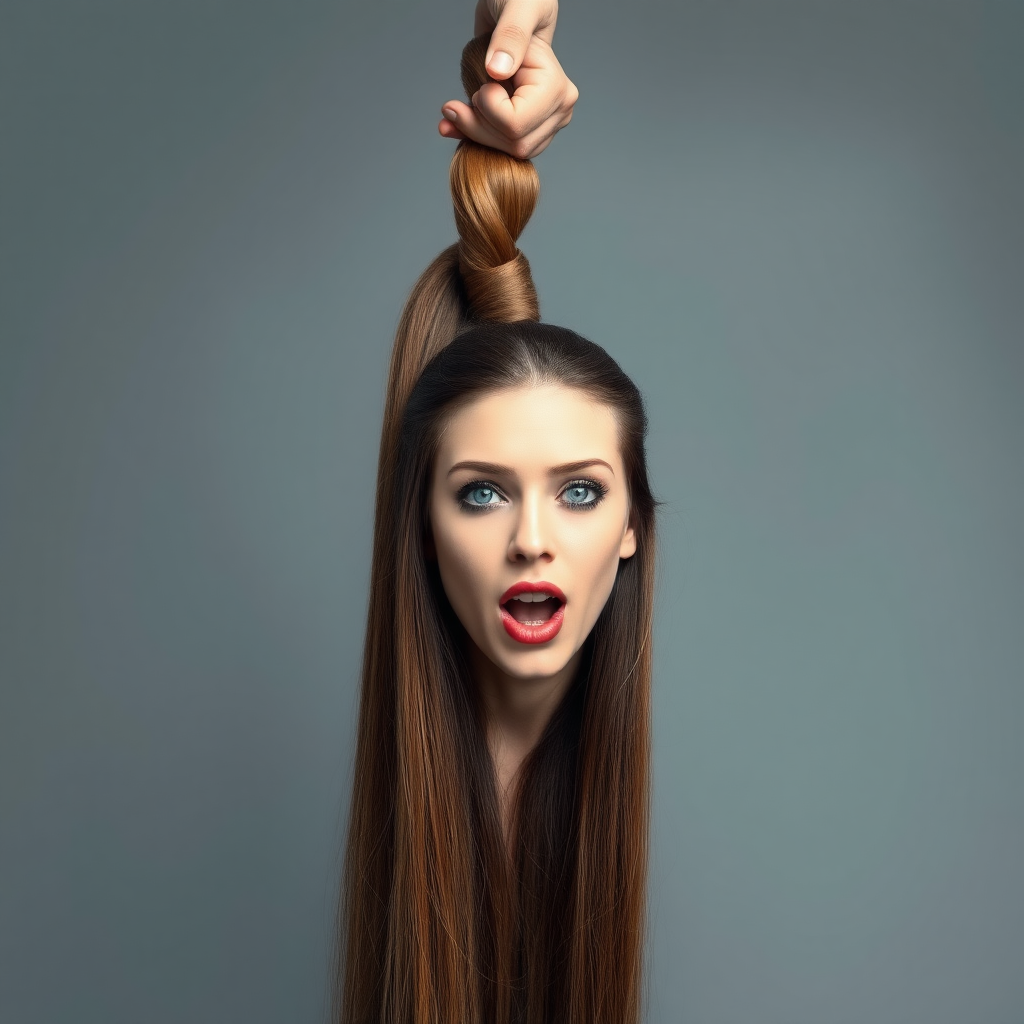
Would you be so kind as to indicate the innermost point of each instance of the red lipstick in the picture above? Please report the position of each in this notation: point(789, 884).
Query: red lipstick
point(524, 632)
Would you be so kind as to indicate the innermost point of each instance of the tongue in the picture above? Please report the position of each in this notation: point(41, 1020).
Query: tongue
point(535, 611)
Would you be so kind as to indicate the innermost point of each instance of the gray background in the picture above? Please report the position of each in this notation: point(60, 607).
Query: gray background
point(798, 226)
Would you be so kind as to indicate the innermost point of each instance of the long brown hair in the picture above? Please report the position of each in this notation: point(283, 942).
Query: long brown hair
point(438, 923)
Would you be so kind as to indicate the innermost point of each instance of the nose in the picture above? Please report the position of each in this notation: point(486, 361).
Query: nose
point(532, 537)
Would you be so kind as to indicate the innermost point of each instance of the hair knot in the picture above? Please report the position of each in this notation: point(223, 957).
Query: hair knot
point(504, 293)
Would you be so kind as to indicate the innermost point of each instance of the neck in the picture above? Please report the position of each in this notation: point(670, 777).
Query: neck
point(516, 712)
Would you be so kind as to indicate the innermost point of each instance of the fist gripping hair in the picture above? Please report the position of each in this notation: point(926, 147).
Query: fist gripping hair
point(530, 97)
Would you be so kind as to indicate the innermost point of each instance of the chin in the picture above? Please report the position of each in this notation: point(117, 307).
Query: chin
point(535, 664)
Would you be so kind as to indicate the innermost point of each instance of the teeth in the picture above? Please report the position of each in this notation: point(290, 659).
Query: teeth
point(532, 595)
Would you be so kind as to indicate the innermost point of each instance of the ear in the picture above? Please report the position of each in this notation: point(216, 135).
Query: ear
point(628, 546)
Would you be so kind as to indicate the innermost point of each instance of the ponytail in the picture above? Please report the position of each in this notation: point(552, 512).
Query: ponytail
point(483, 277)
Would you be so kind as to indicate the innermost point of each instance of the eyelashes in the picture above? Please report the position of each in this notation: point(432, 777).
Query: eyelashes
point(482, 491)
point(482, 495)
point(579, 501)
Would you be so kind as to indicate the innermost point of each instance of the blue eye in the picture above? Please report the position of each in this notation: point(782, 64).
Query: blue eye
point(576, 494)
point(478, 495)
point(481, 496)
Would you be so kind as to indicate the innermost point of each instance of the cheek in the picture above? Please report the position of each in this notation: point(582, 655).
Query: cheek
point(462, 564)
point(596, 560)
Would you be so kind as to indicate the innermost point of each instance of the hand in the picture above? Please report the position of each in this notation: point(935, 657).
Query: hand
point(519, 54)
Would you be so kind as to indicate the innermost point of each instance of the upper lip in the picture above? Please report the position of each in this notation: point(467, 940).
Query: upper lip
point(524, 586)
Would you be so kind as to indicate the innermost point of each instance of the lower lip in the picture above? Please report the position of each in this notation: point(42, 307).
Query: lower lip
point(532, 634)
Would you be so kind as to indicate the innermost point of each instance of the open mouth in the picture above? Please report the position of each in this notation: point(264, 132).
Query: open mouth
point(532, 613)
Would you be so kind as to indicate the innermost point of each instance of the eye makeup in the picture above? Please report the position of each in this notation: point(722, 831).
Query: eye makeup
point(584, 484)
point(486, 490)
point(475, 487)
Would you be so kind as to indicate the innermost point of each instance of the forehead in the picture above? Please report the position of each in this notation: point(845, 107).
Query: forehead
point(534, 425)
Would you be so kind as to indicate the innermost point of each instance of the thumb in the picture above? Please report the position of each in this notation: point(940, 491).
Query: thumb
point(510, 38)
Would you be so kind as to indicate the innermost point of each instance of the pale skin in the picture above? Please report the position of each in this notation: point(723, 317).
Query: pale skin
point(528, 485)
point(522, 119)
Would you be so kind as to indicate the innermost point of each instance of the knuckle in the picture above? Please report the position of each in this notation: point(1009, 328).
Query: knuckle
point(512, 35)
point(521, 149)
point(514, 127)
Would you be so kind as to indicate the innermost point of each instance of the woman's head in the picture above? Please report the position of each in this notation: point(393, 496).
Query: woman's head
point(528, 518)
point(522, 461)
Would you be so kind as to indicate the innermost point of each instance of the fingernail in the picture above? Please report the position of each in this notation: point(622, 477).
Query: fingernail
point(449, 113)
point(501, 62)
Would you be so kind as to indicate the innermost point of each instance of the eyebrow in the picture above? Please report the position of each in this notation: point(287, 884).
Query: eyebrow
point(498, 470)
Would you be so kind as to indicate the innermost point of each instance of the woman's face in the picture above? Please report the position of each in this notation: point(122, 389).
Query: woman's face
point(528, 497)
